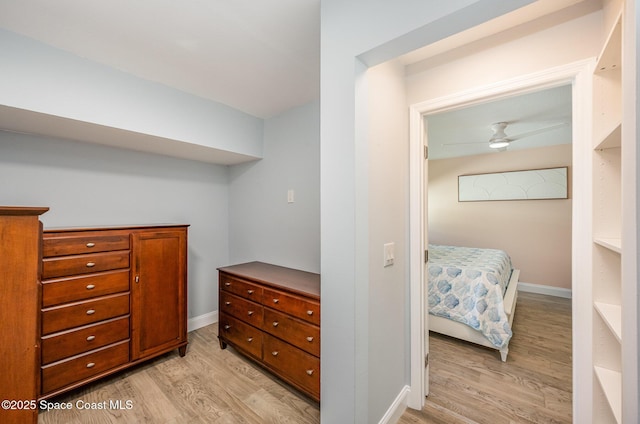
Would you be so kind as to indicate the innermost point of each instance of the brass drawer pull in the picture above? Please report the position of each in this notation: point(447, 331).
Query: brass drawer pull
point(250, 313)
point(91, 311)
point(275, 323)
point(91, 364)
point(91, 286)
point(226, 327)
point(227, 284)
point(249, 339)
point(309, 339)
point(276, 300)
point(310, 372)
point(91, 264)
point(90, 244)
point(309, 313)
point(250, 291)
point(275, 353)
point(227, 303)
point(91, 338)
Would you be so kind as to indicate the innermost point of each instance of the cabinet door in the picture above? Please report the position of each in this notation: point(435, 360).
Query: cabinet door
point(159, 294)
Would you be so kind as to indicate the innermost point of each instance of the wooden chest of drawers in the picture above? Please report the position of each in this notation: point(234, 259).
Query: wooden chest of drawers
point(272, 315)
point(111, 297)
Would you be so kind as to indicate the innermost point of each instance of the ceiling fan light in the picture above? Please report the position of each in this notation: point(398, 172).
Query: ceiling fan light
point(498, 143)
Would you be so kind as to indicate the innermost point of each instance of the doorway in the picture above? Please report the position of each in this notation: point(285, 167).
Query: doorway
point(576, 74)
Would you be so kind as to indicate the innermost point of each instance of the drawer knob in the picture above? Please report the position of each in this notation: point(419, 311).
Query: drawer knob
point(91, 264)
point(226, 327)
point(91, 286)
point(227, 303)
point(227, 284)
point(91, 338)
point(250, 313)
point(250, 291)
point(275, 323)
point(91, 364)
point(275, 353)
point(276, 300)
point(310, 372)
point(249, 339)
point(309, 313)
point(90, 244)
point(309, 339)
point(91, 311)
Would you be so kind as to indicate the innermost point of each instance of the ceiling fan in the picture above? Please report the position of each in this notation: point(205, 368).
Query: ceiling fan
point(499, 141)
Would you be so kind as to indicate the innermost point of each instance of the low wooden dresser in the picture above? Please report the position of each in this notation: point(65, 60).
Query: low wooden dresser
point(272, 315)
point(111, 297)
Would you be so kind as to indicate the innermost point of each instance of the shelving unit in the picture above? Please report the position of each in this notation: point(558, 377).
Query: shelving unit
point(607, 228)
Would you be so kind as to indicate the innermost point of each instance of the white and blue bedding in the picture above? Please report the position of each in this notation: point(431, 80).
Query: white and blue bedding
point(467, 285)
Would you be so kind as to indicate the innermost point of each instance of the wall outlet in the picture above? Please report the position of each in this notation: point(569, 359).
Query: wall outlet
point(389, 254)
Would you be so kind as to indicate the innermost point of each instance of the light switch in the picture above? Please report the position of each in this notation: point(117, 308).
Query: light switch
point(389, 254)
point(290, 196)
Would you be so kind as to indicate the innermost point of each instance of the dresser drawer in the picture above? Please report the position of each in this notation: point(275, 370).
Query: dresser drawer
point(58, 318)
point(241, 288)
point(297, 366)
point(60, 374)
point(63, 290)
point(84, 264)
point(293, 305)
point(83, 339)
point(301, 334)
point(64, 244)
point(241, 335)
point(243, 309)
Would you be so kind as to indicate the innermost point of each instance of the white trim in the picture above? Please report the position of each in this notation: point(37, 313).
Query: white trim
point(578, 74)
point(420, 387)
point(542, 289)
point(397, 408)
point(202, 321)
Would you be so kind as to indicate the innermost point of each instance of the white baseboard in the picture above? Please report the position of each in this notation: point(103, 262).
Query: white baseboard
point(202, 320)
point(397, 408)
point(541, 289)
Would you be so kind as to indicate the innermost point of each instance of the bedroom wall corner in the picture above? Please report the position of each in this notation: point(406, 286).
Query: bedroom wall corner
point(525, 229)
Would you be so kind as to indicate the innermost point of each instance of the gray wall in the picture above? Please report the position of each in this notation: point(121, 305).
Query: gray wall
point(263, 226)
point(85, 184)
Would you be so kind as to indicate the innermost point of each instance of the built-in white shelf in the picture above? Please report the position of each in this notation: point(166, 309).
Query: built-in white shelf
point(612, 316)
point(611, 383)
point(614, 244)
point(612, 138)
point(609, 57)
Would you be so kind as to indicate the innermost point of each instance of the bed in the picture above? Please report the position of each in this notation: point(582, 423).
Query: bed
point(472, 295)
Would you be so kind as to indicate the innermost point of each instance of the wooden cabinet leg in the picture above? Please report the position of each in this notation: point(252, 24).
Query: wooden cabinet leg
point(182, 350)
point(223, 345)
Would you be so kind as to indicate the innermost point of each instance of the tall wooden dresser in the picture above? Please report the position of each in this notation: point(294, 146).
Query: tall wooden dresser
point(272, 315)
point(20, 239)
point(111, 297)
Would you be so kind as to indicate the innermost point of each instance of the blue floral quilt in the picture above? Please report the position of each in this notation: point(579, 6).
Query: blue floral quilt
point(467, 285)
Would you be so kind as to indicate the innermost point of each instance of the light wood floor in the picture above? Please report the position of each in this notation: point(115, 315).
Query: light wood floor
point(469, 384)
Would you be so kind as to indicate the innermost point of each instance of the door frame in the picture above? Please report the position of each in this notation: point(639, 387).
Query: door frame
point(578, 74)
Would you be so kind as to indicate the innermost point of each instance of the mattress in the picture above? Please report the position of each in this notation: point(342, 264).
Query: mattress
point(467, 285)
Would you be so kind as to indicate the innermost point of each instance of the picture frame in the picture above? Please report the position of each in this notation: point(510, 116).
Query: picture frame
point(531, 184)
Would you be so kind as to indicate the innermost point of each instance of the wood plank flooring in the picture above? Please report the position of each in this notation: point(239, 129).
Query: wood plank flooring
point(469, 384)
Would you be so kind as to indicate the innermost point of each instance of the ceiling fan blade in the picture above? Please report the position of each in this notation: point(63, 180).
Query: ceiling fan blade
point(538, 131)
point(462, 143)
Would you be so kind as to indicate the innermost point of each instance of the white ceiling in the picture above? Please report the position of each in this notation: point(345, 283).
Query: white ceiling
point(538, 119)
point(260, 57)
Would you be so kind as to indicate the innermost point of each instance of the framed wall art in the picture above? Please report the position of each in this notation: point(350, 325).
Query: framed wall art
point(533, 184)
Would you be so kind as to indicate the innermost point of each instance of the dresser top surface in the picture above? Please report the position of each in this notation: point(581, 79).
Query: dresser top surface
point(304, 282)
point(110, 227)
